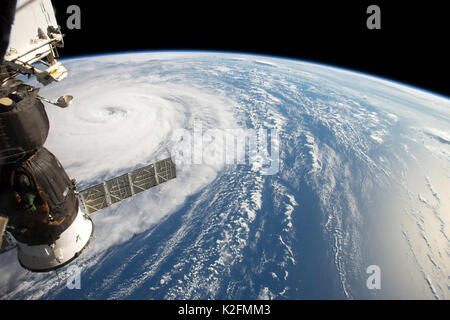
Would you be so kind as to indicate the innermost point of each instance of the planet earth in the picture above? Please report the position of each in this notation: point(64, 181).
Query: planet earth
point(294, 180)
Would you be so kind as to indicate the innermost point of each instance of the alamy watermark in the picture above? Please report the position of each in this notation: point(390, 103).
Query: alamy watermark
point(374, 280)
point(74, 20)
point(74, 280)
point(258, 148)
point(374, 20)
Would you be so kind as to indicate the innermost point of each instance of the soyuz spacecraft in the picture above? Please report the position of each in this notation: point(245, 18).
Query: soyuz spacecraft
point(42, 214)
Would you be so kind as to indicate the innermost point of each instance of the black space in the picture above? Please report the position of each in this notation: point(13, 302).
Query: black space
point(411, 46)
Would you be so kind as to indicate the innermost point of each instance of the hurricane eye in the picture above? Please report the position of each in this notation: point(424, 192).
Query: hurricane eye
point(115, 111)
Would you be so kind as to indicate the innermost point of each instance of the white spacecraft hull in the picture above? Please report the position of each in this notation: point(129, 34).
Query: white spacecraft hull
point(44, 258)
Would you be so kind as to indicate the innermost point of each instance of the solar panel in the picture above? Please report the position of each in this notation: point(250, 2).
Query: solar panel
point(127, 185)
point(118, 188)
point(143, 179)
point(165, 170)
point(94, 198)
